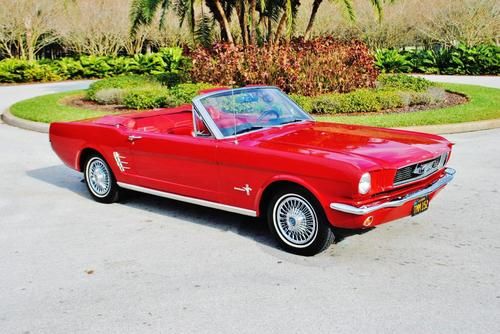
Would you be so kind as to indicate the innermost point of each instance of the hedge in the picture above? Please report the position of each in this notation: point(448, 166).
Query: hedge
point(142, 92)
point(309, 68)
point(394, 91)
point(169, 64)
point(460, 59)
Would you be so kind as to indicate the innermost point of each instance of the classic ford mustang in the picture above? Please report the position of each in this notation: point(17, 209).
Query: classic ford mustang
point(253, 151)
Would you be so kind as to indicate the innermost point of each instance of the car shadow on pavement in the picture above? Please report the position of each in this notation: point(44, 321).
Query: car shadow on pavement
point(253, 228)
point(249, 227)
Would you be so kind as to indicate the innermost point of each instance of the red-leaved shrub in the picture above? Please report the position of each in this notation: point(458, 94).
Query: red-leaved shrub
point(313, 67)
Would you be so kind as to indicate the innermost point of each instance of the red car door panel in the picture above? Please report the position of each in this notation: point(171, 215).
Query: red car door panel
point(180, 164)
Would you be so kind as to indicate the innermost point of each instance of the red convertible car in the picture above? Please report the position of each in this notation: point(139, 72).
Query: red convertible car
point(253, 151)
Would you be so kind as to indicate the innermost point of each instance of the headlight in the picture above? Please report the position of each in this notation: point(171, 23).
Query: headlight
point(365, 183)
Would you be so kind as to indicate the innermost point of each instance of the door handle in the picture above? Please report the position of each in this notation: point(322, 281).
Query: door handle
point(132, 138)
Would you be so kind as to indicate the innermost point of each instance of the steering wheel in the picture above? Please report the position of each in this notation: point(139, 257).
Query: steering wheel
point(267, 113)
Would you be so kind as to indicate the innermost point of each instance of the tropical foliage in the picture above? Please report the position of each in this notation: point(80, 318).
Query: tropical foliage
point(168, 63)
point(460, 59)
point(303, 67)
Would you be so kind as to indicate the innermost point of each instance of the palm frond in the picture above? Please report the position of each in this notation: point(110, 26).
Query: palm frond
point(378, 7)
point(185, 9)
point(142, 12)
point(204, 31)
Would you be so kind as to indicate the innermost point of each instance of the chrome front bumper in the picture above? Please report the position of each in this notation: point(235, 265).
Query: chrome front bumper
point(363, 210)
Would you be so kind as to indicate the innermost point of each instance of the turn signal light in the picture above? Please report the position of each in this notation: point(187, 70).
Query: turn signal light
point(368, 221)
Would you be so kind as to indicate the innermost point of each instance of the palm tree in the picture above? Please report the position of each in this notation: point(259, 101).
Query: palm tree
point(347, 4)
point(143, 12)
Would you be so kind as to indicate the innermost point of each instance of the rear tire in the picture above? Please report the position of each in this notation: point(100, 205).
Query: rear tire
point(100, 181)
point(298, 222)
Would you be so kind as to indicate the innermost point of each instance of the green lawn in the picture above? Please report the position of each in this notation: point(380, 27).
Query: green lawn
point(48, 109)
point(484, 104)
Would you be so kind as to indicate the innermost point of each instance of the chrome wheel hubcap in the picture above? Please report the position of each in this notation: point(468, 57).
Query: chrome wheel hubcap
point(98, 177)
point(295, 220)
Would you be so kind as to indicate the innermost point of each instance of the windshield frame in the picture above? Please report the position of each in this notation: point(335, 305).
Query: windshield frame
point(215, 129)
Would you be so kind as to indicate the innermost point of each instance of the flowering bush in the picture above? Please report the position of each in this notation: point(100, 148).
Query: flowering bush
point(309, 68)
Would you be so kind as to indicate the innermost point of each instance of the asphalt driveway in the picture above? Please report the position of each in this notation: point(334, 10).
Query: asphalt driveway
point(147, 264)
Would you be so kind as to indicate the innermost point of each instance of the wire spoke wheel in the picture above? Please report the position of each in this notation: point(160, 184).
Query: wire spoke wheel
point(295, 220)
point(98, 177)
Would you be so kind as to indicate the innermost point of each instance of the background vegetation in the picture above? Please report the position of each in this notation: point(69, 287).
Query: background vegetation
point(32, 29)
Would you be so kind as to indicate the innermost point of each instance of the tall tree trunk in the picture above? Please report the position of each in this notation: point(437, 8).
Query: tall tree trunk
point(253, 18)
point(242, 18)
point(314, 11)
point(30, 47)
point(280, 28)
point(269, 30)
point(225, 22)
point(20, 43)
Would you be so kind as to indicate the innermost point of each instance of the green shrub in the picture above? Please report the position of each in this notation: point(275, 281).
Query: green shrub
point(122, 82)
point(389, 99)
point(459, 59)
point(110, 96)
point(361, 100)
point(168, 63)
point(184, 93)
point(148, 98)
point(403, 82)
point(305, 102)
point(420, 98)
point(392, 61)
point(170, 79)
point(16, 70)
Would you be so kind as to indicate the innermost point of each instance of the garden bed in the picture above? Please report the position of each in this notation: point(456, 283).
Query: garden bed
point(482, 104)
point(450, 99)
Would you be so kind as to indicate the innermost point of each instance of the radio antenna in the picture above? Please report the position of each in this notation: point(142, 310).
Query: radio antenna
point(233, 106)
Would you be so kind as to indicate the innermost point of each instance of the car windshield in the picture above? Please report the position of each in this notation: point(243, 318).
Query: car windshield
point(247, 109)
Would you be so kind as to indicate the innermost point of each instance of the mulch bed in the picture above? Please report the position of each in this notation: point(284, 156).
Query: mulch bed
point(78, 101)
point(451, 99)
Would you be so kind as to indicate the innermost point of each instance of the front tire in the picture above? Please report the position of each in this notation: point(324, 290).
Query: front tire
point(298, 222)
point(100, 181)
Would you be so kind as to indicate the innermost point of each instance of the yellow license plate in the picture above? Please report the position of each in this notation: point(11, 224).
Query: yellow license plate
point(420, 205)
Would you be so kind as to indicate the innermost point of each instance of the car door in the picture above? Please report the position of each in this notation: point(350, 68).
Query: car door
point(180, 164)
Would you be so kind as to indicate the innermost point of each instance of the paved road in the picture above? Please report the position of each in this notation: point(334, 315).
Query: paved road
point(488, 81)
point(71, 265)
point(11, 94)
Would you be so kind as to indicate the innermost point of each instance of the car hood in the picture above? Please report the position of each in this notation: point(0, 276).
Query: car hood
point(388, 148)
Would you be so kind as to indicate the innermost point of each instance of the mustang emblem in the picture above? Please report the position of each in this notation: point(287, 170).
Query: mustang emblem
point(426, 168)
point(245, 189)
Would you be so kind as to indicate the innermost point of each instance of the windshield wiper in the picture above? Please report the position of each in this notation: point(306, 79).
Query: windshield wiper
point(294, 120)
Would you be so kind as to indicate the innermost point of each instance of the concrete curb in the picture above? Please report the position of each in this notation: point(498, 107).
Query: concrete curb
point(440, 129)
point(10, 119)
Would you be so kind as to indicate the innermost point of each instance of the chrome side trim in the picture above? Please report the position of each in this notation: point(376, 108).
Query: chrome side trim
point(191, 200)
point(448, 176)
point(119, 161)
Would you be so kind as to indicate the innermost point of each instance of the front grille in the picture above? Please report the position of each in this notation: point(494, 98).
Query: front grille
point(419, 170)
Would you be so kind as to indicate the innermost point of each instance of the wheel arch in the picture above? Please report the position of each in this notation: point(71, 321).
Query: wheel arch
point(83, 155)
point(277, 183)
